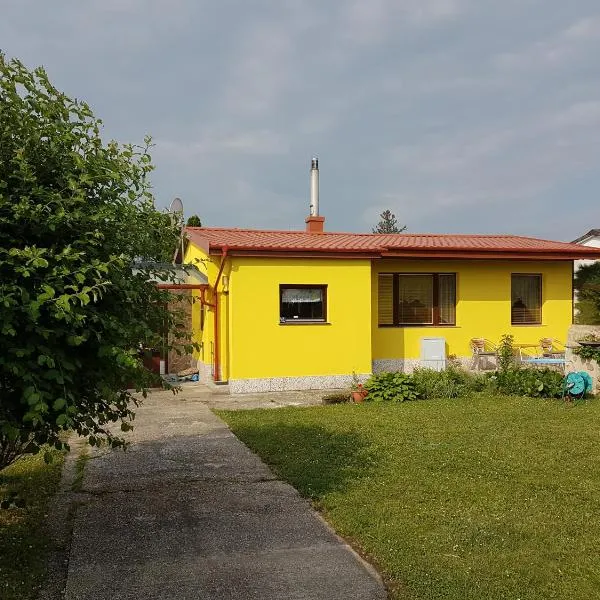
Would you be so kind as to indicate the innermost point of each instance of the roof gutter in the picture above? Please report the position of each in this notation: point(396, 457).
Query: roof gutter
point(490, 255)
point(437, 253)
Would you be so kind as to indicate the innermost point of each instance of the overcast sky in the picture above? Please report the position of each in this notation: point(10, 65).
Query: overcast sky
point(459, 115)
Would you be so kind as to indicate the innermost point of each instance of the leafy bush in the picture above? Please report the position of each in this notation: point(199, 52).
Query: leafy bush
point(536, 383)
point(397, 387)
point(337, 398)
point(75, 212)
point(452, 382)
point(506, 352)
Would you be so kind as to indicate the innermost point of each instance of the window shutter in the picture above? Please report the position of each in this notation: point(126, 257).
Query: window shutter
point(386, 299)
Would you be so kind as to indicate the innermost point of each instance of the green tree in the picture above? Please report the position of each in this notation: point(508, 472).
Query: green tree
point(587, 286)
point(194, 221)
point(75, 213)
point(388, 223)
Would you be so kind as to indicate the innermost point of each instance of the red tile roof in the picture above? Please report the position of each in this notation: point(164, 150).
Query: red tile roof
point(253, 241)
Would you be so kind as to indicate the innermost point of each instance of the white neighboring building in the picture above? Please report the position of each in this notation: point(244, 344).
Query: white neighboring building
point(591, 238)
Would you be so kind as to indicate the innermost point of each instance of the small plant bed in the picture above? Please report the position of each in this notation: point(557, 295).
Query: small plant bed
point(482, 497)
point(454, 382)
point(26, 488)
point(589, 348)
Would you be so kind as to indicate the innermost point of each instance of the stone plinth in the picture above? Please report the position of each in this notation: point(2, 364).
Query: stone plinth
point(576, 363)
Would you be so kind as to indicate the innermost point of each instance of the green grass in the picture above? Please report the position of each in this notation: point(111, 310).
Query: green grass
point(482, 498)
point(24, 544)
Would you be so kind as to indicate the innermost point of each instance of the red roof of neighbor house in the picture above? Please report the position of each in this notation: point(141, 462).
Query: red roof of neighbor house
point(252, 241)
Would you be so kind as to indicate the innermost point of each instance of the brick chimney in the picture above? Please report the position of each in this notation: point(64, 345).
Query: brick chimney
point(314, 223)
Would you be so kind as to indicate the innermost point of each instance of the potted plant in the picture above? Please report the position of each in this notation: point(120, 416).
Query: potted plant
point(357, 389)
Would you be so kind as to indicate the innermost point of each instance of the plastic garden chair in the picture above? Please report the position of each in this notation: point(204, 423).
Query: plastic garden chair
point(480, 348)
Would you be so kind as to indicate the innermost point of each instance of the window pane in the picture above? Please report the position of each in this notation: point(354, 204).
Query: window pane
point(386, 299)
point(447, 299)
point(526, 299)
point(302, 303)
point(415, 299)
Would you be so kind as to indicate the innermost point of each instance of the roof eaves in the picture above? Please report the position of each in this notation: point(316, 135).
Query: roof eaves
point(490, 253)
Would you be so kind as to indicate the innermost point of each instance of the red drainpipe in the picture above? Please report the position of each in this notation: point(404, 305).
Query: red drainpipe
point(216, 309)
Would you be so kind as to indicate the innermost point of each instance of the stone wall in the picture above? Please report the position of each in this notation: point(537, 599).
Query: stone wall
point(180, 362)
point(576, 363)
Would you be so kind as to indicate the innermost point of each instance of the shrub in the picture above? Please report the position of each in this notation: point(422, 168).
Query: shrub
point(75, 212)
point(536, 383)
point(452, 382)
point(397, 387)
point(506, 352)
point(336, 398)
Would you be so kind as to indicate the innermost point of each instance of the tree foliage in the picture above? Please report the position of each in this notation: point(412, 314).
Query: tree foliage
point(587, 285)
point(194, 221)
point(388, 223)
point(75, 213)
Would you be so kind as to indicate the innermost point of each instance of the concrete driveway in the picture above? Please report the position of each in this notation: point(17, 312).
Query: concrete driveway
point(188, 512)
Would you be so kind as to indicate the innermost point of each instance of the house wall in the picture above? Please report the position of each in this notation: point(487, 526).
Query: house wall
point(267, 355)
point(204, 336)
point(483, 292)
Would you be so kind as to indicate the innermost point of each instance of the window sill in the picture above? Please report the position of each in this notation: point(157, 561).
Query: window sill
point(527, 325)
point(424, 326)
point(299, 322)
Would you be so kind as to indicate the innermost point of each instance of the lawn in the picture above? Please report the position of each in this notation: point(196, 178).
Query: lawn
point(480, 498)
point(24, 544)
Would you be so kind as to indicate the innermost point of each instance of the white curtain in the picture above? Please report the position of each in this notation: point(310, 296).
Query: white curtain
point(526, 299)
point(301, 295)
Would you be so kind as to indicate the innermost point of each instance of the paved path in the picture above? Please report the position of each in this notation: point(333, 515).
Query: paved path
point(188, 512)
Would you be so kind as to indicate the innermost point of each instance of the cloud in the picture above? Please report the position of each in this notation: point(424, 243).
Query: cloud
point(251, 143)
point(558, 50)
point(371, 22)
point(453, 113)
point(486, 168)
point(260, 72)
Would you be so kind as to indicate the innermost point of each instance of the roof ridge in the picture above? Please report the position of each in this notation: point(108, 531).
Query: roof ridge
point(364, 234)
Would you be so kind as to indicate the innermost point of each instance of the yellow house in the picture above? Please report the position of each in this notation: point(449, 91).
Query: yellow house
point(287, 310)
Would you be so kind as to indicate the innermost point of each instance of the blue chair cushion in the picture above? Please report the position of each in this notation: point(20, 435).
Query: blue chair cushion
point(544, 361)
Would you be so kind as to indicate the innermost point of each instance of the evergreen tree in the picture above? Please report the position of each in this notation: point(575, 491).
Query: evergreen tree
point(194, 221)
point(388, 223)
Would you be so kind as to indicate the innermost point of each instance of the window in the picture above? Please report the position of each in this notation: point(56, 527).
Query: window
point(417, 299)
point(302, 303)
point(526, 299)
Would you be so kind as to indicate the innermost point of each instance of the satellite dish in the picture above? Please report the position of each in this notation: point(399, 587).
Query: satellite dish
point(176, 206)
